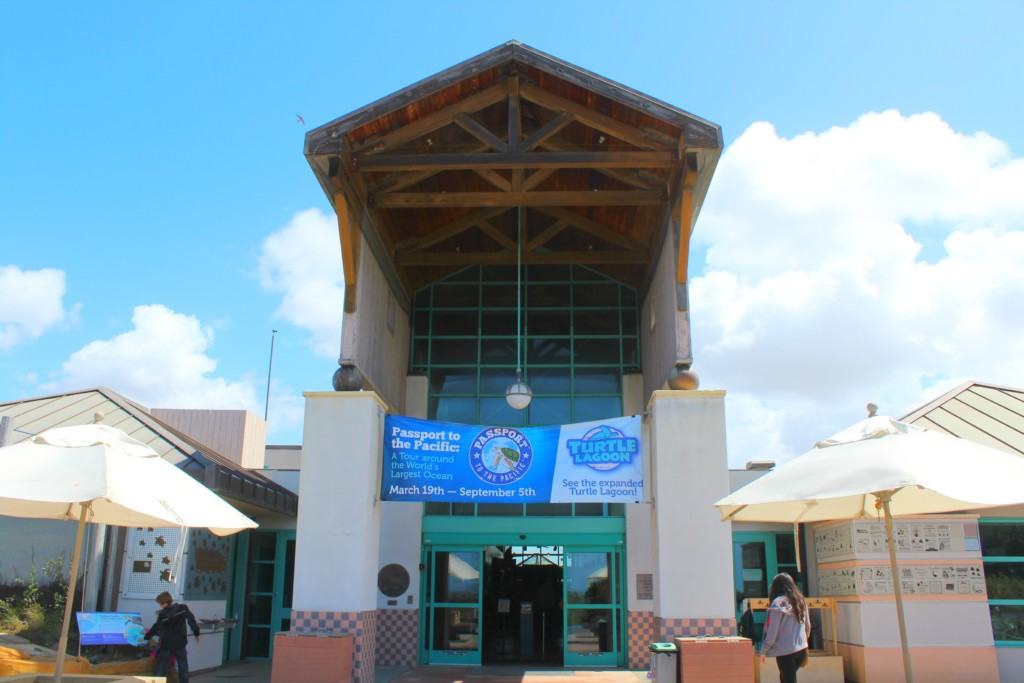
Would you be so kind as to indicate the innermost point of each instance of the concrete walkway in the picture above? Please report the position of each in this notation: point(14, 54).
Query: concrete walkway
point(259, 672)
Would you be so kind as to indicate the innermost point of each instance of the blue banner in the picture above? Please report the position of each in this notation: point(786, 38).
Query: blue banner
point(110, 628)
point(428, 461)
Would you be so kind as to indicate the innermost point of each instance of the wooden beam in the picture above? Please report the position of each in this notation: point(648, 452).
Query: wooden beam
point(515, 116)
point(685, 226)
point(505, 160)
point(432, 122)
point(415, 200)
point(590, 117)
point(602, 232)
point(495, 234)
point(462, 258)
point(547, 130)
point(515, 129)
point(393, 182)
point(348, 235)
point(545, 236)
point(644, 180)
point(480, 132)
point(446, 231)
point(538, 177)
point(494, 178)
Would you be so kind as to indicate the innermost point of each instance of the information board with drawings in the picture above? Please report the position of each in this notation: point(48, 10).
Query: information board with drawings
point(868, 538)
point(151, 561)
point(936, 579)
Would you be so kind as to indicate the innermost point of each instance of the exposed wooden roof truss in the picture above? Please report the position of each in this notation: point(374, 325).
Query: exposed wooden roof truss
point(452, 171)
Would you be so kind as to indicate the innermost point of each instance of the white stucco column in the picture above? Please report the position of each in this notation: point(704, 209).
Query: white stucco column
point(338, 527)
point(693, 592)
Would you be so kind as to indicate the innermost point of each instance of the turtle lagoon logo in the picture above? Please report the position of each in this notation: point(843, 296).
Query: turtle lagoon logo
point(603, 448)
point(500, 455)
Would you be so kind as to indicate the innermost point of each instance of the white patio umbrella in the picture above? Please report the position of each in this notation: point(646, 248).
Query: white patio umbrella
point(98, 474)
point(881, 463)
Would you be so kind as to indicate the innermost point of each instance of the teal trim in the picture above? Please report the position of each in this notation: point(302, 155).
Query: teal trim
point(573, 535)
point(1003, 559)
point(772, 566)
point(463, 657)
point(282, 613)
point(491, 527)
point(615, 657)
point(236, 601)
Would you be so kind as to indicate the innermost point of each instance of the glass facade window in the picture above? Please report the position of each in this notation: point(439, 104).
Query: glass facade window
point(579, 332)
point(580, 336)
point(1002, 549)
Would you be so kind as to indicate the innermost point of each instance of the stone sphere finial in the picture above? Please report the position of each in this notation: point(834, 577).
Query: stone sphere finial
point(682, 378)
point(347, 377)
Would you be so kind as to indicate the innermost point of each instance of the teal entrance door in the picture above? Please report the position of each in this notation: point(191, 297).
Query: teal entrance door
point(757, 556)
point(453, 609)
point(593, 606)
point(264, 574)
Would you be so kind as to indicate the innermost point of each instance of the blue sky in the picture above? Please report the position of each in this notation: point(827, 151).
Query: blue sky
point(147, 151)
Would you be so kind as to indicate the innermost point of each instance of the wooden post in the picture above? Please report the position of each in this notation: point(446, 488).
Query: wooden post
point(908, 669)
point(76, 558)
point(348, 235)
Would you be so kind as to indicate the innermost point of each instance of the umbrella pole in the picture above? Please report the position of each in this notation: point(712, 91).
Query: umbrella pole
point(897, 589)
point(76, 557)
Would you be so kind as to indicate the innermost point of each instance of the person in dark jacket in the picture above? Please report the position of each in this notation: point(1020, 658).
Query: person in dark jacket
point(170, 626)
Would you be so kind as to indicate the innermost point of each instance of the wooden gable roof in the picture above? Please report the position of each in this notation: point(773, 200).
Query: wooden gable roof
point(513, 144)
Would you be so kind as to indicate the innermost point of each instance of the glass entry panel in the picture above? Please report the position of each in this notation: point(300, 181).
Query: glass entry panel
point(593, 607)
point(454, 609)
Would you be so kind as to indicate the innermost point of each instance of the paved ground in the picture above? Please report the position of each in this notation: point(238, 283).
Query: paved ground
point(259, 672)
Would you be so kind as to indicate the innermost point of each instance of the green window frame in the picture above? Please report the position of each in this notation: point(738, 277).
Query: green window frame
point(1004, 576)
point(580, 335)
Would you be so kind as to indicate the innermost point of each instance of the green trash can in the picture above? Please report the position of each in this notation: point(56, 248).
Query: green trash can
point(664, 662)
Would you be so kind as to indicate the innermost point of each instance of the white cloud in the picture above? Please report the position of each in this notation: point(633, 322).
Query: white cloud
point(31, 302)
point(814, 297)
point(164, 361)
point(302, 261)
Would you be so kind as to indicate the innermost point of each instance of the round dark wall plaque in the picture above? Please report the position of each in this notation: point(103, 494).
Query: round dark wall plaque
point(393, 580)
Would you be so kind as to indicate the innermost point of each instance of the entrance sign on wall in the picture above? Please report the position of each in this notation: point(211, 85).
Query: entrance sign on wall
point(429, 461)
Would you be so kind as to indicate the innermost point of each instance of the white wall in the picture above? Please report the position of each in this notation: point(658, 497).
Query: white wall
point(1011, 664)
point(380, 351)
point(639, 516)
point(929, 624)
point(693, 546)
point(401, 525)
point(401, 528)
point(338, 530)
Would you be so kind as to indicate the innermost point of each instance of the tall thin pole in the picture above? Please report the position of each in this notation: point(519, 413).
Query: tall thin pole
point(76, 558)
point(519, 294)
point(270, 368)
point(908, 669)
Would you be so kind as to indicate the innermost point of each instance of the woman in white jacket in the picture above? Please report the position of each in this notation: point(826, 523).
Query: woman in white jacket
point(787, 628)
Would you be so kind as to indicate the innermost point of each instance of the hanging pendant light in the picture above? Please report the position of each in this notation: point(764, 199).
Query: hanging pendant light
point(519, 394)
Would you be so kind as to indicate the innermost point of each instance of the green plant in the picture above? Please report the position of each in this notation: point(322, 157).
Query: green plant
point(36, 610)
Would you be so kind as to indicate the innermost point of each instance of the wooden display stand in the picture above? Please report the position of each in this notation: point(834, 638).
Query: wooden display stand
point(716, 660)
point(307, 658)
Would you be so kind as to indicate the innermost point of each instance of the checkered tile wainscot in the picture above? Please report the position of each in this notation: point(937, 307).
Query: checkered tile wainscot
point(397, 635)
point(362, 626)
point(682, 628)
point(641, 631)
